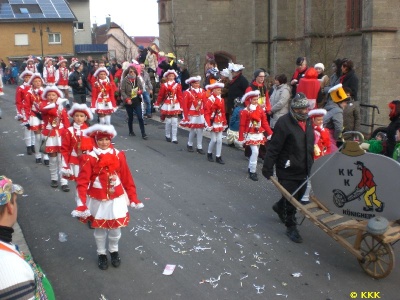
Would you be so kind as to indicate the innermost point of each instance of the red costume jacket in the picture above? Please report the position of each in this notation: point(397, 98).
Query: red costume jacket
point(97, 171)
point(62, 74)
point(322, 142)
point(55, 119)
point(215, 113)
point(33, 99)
point(103, 91)
point(263, 99)
point(253, 122)
point(20, 97)
point(49, 74)
point(170, 94)
point(193, 102)
point(74, 144)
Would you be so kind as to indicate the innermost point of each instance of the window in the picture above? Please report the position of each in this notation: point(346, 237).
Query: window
point(54, 38)
point(21, 40)
point(78, 25)
point(353, 14)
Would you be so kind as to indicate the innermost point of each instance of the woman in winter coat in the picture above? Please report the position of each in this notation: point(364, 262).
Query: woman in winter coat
point(349, 78)
point(279, 99)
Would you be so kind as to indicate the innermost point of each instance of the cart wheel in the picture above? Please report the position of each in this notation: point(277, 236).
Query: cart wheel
point(378, 258)
point(339, 198)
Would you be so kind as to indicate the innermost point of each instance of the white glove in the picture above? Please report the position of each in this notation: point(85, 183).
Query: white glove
point(19, 117)
point(93, 109)
point(240, 143)
point(137, 206)
point(66, 172)
point(208, 128)
point(269, 137)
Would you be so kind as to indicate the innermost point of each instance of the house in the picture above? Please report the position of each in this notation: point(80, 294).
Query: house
point(146, 41)
point(36, 27)
point(120, 45)
point(272, 34)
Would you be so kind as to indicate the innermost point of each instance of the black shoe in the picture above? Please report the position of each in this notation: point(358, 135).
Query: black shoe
point(248, 170)
point(54, 184)
point(103, 262)
point(253, 176)
point(219, 160)
point(46, 162)
point(38, 160)
point(380, 208)
point(145, 137)
point(294, 234)
point(148, 116)
point(33, 149)
point(189, 148)
point(200, 151)
point(231, 145)
point(168, 139)
point(65, 188)
point(132, 133)
point(29, 150)
point(115, 259)
point(368, 208)
point(276, 209)
point(175, 142)
point(209, 157)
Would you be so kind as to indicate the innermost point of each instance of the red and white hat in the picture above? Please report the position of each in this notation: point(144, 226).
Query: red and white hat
point(35, 75)
point(170, 72)
point(74, 60)
point(99, 70)
point(217, 85)
point(99, 131)
point(318, 112)
point(30, 58)
point(49, 89)
point(76, 107)
point(25, 73)
point(249, 95)
point(61, 59)
point(193, 79)
point(47, 60)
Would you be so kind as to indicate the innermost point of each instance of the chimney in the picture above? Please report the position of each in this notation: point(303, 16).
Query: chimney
point(108, 21)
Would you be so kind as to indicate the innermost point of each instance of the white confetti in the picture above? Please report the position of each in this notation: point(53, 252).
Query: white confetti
point(298, 274)
point(260, 289)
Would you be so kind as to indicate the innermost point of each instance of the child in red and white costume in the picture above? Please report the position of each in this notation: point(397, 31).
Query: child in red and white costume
point(170, 99)
point(103, 101)
point(30, 65)
point(215, 120)
point(253, 124)
point(322, 143)
point(56, 121)
point(193, 102)
point(49, 72)
point(74, 143)
point(62, 74)
point(32, 117)
point(29, 136)
point(105, 189)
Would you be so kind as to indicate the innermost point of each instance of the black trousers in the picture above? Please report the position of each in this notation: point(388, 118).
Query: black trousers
point(137, 108)
point(284, 205)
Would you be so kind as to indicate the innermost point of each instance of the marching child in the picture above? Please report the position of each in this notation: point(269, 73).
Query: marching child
point(74, 143)
point(232, 135)
point(253, 124)
point(32, 118)
point(103, 101)
point(322, 143)
point(62, 74)
point(55, 122)
point(105, 188)
point(215, 120)
point(49, 72)
point(20, 93)
point(170, 99)
point(30, 64)
point(194, 99)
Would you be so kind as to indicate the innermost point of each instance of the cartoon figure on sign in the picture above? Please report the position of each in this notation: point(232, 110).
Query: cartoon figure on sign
point(367, 183)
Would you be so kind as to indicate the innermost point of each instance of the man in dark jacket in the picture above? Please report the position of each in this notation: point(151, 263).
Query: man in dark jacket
point(291, 151)
point(77, 81)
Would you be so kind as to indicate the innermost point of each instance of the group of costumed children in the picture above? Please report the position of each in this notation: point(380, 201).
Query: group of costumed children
point(82, 154)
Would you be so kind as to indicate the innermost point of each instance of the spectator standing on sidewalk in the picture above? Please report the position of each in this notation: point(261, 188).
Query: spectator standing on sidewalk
point(291, 151)
point(77, 81)
point(147, 90)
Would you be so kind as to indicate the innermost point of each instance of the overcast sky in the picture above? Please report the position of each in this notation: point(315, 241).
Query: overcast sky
point(136, 17)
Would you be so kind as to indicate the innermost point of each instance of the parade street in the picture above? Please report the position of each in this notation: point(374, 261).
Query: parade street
point(209, 220)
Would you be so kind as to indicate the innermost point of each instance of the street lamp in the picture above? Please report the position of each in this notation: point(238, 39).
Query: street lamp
point(41, 35)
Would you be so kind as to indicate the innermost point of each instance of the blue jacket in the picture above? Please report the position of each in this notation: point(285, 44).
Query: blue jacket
point(235, 118)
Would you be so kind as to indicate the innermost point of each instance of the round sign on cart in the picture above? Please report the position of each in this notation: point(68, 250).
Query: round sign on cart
point(361, 187)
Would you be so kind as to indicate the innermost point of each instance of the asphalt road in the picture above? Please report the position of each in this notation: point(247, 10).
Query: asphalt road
point(209, 220)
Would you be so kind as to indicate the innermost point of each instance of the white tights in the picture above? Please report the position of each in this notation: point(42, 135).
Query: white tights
point(100, 236)
point(253, 158)
point(216, 138)
point(199, 133)
point(171, 125)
